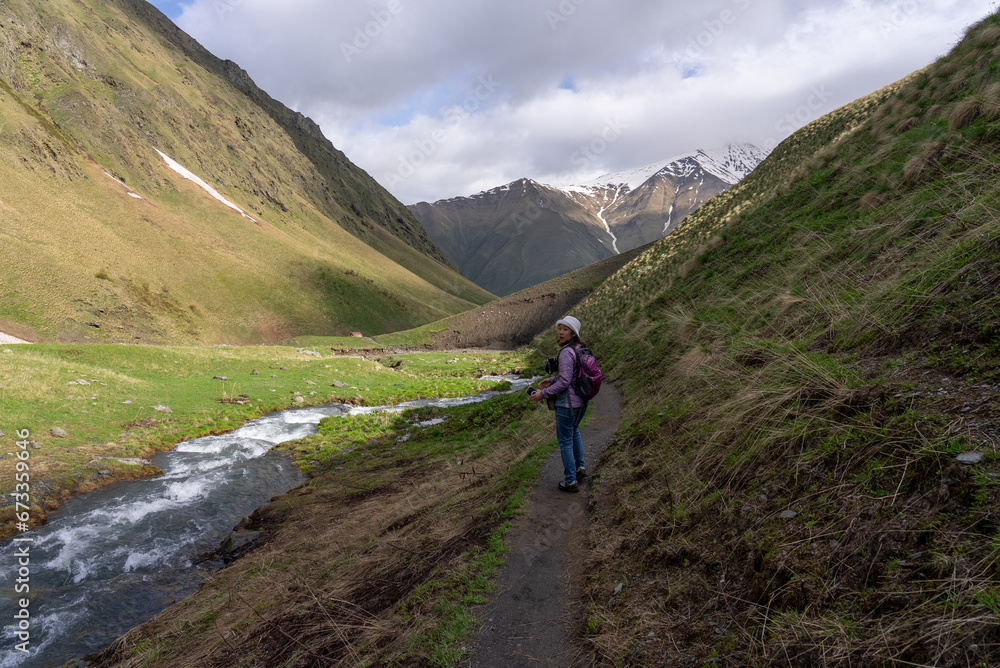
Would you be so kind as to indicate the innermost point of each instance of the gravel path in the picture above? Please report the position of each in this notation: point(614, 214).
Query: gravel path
point(536, 617)
point(7, 339)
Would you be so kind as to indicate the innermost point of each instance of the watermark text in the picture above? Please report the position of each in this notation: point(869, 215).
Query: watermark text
point(22, 546)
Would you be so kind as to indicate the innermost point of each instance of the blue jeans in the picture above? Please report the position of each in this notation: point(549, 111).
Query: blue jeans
point(570, 444)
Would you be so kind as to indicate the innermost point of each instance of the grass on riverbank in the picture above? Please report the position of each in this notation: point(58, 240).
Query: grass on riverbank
point(376, 559)
point(104, 398)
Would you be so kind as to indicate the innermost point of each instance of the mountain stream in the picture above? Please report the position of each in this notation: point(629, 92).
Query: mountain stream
point(111, 559)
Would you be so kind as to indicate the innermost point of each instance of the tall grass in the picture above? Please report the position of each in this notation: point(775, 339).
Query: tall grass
point(777, 474)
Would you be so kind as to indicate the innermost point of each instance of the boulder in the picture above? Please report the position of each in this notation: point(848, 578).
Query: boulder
point(237, 542)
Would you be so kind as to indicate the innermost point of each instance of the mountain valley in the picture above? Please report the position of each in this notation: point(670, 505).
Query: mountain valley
point(105, 241)
point(524, 233)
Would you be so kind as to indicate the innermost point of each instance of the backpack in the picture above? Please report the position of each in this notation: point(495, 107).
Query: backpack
point(586, 374)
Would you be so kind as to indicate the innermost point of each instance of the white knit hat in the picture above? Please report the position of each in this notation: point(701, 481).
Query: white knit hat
point(570, 322)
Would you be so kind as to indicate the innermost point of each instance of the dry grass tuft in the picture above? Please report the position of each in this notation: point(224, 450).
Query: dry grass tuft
point(689, 267)
point(907, 124)
point(987, 37)
point(786, 302)
point(871, 201)
point(930, 151)
point(947, 68)
point(966, 111)
point(692, 361)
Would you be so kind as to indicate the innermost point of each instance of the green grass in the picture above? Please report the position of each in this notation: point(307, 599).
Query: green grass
point(452, 620)
point(113, 415)
point(778, 367)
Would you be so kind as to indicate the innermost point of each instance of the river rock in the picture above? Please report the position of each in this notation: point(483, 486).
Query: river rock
point(129, 461)
point(238, 541)
point(788, 514)
point(970, 457)
point(56, 432)
point(162, 409)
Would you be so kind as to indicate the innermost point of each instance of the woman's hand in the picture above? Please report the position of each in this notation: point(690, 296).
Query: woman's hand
point(536, 397)
point(545, 383)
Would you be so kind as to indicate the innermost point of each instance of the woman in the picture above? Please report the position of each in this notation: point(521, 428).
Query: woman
point(569, 407)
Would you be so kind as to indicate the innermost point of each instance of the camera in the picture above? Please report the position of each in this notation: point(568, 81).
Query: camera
point(551, 365)
point(531, 391)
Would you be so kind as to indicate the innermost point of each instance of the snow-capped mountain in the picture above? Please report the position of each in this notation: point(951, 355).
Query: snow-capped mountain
point(523, 233)
point(730, 164)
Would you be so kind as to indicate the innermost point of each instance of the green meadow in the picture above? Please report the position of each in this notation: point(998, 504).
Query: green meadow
point(110, 399)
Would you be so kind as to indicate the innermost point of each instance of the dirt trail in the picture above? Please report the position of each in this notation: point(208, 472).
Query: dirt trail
point(536, 616)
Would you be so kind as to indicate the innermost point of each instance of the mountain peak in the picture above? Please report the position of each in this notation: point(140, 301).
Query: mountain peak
point(730, 163)
point(503, 238)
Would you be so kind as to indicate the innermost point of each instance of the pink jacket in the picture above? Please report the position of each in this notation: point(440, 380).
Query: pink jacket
point(563, 382)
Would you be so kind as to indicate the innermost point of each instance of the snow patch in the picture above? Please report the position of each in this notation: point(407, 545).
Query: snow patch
point(600, 214)
point(122, 184)
point(7, 339)
point(174, 165)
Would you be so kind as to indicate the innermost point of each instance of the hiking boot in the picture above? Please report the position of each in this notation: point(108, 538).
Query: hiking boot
point(568, 486)
point(581, 473)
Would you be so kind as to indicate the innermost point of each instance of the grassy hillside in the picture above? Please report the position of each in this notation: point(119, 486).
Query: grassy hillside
point(505, 324)
point(102, 241)
point(807, 473)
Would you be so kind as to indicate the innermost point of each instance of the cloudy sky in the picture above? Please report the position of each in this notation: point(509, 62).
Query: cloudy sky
point(437, 98)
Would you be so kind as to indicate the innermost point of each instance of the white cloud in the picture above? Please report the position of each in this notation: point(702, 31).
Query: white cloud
point(440, 98)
